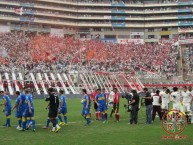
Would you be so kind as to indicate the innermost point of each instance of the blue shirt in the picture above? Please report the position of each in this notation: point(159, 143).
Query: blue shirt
point(23, 99)
point(17, 102)
point(30, 98)
point(85, 99)
point(63, 101)
point(8, 100)
point(105, 96)
point(101, 99)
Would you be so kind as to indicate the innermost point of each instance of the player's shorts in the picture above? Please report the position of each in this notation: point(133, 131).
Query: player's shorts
point(86, 111)
point(53, 113)
point(23, 110)
point(102, 108)
point(63, 111)
point(18, 114)
point(186, 107)
point(7, 111)
point(115, 106)
point(176, 106)
point(164, 106)
point(95, 106)
point(26, 113)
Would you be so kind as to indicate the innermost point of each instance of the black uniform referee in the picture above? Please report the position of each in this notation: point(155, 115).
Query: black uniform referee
point(53, 108)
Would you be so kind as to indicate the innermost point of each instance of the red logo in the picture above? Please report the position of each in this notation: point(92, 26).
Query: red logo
point(174, 122)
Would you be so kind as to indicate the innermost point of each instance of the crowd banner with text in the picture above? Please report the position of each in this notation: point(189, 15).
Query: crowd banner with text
point(128, 41)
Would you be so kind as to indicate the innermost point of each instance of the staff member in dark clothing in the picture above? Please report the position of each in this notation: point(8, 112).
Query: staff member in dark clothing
point(148, 103)
point(156, 105)
point(53, 109)
point(134, 107)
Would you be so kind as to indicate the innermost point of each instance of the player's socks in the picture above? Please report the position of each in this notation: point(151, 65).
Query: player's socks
point(28, 122)
point(117, 116)
point(106, 116)
point(100, 115)
point(48, 122)
point(23, 123)
point(54, 121)
point(87, 121)
point(103, 117)
point(97, 117)
point(187, 118)
point(19, 122)
point(65, 119)
point(8, 122)
point(60, 118)
point(33, 125)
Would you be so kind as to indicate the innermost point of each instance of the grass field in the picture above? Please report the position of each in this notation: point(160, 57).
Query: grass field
point(97, 134)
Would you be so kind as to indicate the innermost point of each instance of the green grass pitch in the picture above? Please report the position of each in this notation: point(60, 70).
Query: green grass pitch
point(97, 134)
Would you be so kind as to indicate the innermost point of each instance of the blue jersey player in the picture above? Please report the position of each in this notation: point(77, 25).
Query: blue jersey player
point(86, 107)
point(18, 113)
point(101, 102)
point(62, 108)
point(23, 106)
point(29, 113)
point(7, 108)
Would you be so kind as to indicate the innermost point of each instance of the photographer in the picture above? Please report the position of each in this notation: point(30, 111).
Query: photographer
point(134, 107)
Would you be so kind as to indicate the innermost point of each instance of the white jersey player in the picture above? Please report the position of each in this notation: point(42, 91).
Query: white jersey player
point(186, 100)
point(191, 103)
point(175, 98)
point(110, 99)
point(165, 98)
point(153, 92)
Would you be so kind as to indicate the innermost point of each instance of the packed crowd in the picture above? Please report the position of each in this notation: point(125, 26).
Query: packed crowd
point(49, 53)
point(189, 59)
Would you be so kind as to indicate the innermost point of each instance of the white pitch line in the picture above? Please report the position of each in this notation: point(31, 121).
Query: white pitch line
point(68, 123)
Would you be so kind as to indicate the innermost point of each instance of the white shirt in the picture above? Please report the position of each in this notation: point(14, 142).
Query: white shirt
point(175, 97)
point(168, 98)
point(186, 96)
point(156, 100)
point(111, 96)
point(165, 97)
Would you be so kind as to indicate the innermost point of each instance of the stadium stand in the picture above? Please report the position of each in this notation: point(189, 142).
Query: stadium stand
point(149, 37)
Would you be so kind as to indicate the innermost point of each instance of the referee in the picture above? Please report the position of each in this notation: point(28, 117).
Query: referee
point(53, 109)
